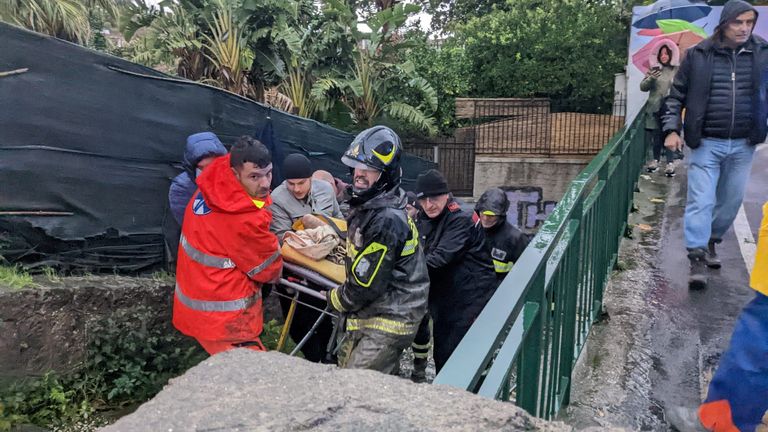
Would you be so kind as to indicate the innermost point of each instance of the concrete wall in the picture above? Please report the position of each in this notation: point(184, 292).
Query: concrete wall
point(533, 185)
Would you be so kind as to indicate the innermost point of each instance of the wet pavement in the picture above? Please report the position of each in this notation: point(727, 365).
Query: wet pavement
point(660, 342)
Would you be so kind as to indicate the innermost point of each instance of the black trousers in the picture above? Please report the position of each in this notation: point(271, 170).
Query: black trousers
point(422, 341)
point(657, 146)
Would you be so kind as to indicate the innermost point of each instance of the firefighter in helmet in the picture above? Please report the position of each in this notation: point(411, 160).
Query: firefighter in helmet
point(507, 243)
point(385, 294)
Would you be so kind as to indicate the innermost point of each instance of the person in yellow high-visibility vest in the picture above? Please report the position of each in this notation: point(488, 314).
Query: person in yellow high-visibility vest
point(738, 394)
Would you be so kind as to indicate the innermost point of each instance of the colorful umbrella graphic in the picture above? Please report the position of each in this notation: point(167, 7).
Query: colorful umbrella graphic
point(686, 10)
point(676, 25)
point(683, 39)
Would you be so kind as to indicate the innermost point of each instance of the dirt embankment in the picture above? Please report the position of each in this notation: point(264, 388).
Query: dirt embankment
point(45, 327)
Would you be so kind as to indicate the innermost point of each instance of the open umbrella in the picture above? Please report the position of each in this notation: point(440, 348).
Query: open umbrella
point(683, 39)
point(686, 10)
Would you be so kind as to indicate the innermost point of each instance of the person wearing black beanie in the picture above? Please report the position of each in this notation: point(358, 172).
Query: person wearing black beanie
point(299, 195)
point(431, 184)
point(461, 271)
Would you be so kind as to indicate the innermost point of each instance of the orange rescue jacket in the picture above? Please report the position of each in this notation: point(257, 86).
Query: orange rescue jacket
point(226, 253)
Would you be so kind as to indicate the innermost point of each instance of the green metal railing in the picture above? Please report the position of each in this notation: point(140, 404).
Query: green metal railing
point(524, 344)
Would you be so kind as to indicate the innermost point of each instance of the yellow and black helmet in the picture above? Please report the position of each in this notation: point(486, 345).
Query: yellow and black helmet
point(377, 148)
point(493, 202)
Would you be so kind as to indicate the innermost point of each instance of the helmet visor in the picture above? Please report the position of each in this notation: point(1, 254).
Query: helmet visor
point(354, 163)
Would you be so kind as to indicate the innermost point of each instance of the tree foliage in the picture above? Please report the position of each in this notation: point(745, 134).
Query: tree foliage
point(70, 20)
point(380, 86)
point(562, 49)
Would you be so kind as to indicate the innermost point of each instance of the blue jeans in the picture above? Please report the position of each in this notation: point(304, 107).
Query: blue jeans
point(718, 171)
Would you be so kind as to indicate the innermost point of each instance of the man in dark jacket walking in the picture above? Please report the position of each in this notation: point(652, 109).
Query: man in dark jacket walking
point(385, 294)
point(461, 272)
point(720, 84)
point(507, 243)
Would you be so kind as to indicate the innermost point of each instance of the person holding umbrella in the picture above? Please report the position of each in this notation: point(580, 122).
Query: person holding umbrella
point(664, 60)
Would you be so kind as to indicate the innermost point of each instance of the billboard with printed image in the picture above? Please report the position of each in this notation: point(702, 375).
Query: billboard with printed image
point(685, 22)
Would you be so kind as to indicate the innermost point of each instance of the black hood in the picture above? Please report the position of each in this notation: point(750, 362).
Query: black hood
point(734, 8)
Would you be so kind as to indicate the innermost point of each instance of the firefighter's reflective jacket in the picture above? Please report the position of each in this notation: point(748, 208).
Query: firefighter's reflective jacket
point(507, 243)
point(387, 281)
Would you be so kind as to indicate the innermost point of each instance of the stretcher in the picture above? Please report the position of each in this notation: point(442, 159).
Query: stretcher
point(304, 275)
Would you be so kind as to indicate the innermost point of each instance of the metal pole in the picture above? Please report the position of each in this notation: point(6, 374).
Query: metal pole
point(288, 322)
point(298, 287)
point(311, 275)
point(311, 331)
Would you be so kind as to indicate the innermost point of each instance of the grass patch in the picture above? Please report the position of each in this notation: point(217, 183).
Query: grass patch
point(15, 277)
point(51, 275)
point(163, 276)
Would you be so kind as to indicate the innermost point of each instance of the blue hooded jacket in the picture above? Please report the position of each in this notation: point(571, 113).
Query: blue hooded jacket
point(199, 146)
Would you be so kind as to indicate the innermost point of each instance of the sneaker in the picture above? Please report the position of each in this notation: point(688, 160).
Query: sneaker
point(669, 171)
point(698, 276)
point(653, 166)
point(684, 419)
point(713, 261)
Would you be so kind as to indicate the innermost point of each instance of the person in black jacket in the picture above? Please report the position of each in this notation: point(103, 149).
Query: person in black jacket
point(385, 294)
point(507, 242)
point(721, 85)
point(461, 274)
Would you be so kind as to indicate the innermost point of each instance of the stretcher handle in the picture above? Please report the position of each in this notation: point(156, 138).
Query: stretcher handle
point(302, 288)
point(311, 275)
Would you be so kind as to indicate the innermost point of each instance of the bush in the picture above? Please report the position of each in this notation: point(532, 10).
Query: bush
point(132, 354)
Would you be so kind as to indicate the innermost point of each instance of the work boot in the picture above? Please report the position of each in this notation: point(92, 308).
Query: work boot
point(698, 277)
point(684, 419)
point(669, 171)
point(652, 166)
point(713, 261)
point(419, 374)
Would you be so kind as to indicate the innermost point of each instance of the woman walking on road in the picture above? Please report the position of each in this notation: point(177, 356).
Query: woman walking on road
point(664, 60)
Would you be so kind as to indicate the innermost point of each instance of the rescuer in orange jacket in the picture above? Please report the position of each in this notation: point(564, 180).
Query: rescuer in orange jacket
point(227, 252)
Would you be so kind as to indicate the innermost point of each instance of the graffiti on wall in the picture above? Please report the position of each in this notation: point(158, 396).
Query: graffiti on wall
point(527, 208)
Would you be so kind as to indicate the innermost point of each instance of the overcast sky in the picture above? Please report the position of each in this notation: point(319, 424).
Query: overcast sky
point(423, 18)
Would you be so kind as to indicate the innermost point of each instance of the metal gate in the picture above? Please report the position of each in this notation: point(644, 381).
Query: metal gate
point(455, 158)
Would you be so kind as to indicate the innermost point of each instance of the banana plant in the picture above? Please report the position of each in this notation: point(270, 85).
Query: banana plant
point(373, 88)
point(226, 48)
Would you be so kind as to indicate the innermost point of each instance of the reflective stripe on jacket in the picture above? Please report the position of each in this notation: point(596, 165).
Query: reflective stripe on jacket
point(507, 243)
point(226, 253)
point(759, 279)
point(387, 281)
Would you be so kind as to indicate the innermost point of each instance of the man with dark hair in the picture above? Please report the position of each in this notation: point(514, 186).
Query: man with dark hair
point(299, 194)
point(721, 86)
point(227, 251)
point(385, 294)
point(460, 271)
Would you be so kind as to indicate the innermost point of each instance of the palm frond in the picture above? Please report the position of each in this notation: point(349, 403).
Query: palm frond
point(411, 116)
point(427, 91)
